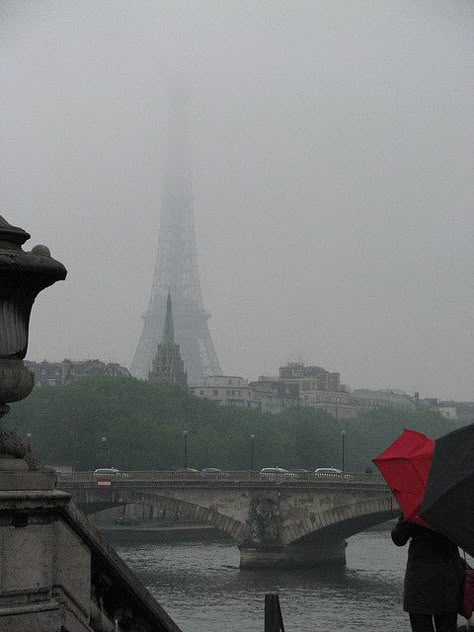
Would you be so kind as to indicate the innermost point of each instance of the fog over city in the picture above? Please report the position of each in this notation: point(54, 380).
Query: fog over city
point(332, 160)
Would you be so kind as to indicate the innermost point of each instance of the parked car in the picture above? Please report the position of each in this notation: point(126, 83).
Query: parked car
point(328, 471)
point(331, 472)
point(109, 472)
point(274, 473)
point(212, 472)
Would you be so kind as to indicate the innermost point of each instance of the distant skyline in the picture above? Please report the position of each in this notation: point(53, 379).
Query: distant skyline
point(332, 175)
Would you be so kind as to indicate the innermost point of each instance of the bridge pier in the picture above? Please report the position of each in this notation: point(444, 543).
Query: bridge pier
point(293, 556)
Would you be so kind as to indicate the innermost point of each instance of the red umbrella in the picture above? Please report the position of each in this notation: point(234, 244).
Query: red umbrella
point(406, 465)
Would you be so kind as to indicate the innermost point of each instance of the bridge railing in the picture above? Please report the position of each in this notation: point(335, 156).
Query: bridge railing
point(225, 476)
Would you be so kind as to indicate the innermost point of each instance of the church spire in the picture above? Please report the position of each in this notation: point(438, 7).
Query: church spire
point(168, 329)
point(168, 366)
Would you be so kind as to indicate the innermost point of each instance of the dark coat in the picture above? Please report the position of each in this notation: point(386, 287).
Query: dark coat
point(434, 573)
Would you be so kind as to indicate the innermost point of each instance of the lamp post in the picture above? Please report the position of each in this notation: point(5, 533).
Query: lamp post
point(185, 437)
point(103, 445)
point(252, 441)
point(343, 461)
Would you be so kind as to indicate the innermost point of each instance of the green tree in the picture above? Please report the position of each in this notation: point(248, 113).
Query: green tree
point(143, 424)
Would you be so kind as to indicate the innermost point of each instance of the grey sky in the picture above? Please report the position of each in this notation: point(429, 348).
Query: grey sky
point(332, 172)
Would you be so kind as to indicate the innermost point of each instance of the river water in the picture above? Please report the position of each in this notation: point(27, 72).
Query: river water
point(202, 588)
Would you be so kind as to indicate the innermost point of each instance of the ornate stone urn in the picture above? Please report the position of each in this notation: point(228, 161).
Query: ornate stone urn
point(22, 276)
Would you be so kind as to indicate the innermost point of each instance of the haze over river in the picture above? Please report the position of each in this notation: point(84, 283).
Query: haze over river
point(202, 588)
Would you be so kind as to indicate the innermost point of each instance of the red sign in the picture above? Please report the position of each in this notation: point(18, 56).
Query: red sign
point(104, 482)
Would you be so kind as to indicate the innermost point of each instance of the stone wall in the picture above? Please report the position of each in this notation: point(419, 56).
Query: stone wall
point(57, 573)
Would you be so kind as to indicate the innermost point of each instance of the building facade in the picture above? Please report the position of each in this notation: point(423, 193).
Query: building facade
point(315, 387)
point(274, 396)
point(300, 385)
point(365, 400)
point(69, 371)
point(227, 390)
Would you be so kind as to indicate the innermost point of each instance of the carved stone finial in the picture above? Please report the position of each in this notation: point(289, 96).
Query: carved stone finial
point(22, 277)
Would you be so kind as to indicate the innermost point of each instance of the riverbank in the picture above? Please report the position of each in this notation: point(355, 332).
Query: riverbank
point(151, 533)
point(180, 532)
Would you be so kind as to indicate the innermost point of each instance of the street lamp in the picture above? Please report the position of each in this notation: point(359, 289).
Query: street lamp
point(28, 442)
point(102, 450)
point(185, 436)
point(343, 462)
point(252, 440)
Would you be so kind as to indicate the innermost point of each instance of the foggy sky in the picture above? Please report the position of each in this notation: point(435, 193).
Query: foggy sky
point(332, 158)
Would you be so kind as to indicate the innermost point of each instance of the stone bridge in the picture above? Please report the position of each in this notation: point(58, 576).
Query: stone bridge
point(275, 523)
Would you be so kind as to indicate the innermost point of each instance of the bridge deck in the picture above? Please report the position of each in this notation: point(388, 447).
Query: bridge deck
point(238, 478)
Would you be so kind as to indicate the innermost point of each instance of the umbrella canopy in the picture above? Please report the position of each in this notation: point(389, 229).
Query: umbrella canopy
point(406, 465)
point(448, 504)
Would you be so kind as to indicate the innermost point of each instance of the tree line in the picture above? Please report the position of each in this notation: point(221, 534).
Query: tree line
point(137, 425)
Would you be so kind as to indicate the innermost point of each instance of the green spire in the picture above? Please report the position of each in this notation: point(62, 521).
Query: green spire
point(168, 329)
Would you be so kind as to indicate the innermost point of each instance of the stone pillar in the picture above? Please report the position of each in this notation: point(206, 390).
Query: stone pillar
point(293, 556)
point(262, 544)
point(46, 569)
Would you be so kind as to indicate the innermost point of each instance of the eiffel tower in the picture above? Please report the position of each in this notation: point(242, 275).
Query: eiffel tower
point(176, 268)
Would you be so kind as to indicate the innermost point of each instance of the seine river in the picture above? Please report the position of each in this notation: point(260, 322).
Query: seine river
point(201, 587)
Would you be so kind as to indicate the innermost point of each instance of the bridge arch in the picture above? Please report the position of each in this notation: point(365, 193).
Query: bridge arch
point(341, 522)
point(183, 509)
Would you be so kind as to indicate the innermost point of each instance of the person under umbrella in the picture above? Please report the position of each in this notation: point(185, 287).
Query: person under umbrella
point(433, 577)
point(432, 585)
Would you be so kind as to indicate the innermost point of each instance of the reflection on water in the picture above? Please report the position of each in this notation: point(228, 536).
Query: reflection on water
point(202, 588)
